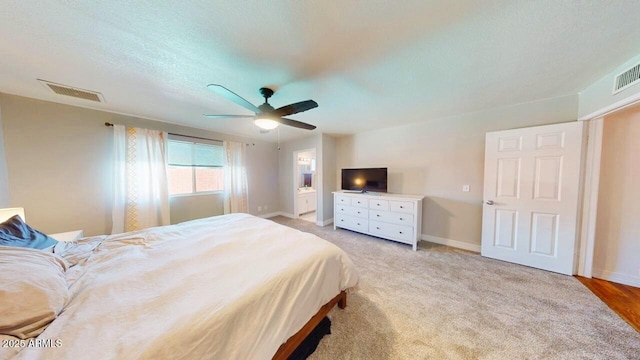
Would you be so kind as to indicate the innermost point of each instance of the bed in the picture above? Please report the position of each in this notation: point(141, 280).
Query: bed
point(227, 287)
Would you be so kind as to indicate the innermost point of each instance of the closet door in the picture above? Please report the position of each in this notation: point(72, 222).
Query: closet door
point(531, 190)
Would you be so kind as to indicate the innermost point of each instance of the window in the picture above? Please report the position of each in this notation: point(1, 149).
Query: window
point(194, 166)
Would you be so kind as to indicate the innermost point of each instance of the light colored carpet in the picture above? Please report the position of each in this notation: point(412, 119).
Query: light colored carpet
point(310, 216)
point(445, 303)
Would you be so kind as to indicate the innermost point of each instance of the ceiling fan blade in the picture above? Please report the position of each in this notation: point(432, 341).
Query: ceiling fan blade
point(231, 96)
point(295, 108)
point(297, 124)
point(228, 116)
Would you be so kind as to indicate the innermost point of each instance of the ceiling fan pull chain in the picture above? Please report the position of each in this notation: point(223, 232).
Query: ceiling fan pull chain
point(278, 131)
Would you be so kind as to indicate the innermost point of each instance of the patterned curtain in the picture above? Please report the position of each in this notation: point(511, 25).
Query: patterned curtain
point(140, 183)
point(235, 178)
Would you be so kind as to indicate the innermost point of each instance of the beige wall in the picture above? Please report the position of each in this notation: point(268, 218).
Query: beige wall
point(59, 166)
point(329, 183)
point(435, 158)
point(4, 180)
point(263, 177)
point(617, 245)
point(184, 208)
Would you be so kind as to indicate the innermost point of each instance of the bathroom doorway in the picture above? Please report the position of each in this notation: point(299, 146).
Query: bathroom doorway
point(305, 180)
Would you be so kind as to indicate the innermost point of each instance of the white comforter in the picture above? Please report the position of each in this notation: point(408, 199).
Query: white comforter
point(227, 287)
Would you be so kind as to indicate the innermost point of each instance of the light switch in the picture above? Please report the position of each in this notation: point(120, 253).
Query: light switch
point(465, 188)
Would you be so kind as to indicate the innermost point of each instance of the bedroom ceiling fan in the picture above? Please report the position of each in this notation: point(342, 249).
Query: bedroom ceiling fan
point(266, 117)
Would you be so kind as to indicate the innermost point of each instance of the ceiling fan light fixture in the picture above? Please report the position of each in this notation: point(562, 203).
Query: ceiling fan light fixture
point(266, 117)
point(266, 123)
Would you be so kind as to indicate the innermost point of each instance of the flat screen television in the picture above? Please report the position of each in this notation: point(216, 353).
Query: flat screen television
point(369, 179)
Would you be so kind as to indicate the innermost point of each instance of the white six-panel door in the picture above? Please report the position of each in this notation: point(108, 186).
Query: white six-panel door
point(531, 190)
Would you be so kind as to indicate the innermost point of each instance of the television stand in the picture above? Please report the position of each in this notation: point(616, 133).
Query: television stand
point(389, 216)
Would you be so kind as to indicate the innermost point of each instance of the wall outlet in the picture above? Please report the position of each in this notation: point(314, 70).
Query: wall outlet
point(259, 208)
point(465, 188)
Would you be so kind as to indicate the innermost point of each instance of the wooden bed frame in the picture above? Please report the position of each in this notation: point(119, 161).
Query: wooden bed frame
point(294, 341)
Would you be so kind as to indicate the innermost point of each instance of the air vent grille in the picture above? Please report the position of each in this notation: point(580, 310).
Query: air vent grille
point(626, 79)
point(73, 92)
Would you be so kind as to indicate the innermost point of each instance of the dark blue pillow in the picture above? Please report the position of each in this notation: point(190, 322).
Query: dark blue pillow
point(14, 232)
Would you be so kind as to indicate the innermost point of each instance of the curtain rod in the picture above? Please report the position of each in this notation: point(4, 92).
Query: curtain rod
point(189, 136)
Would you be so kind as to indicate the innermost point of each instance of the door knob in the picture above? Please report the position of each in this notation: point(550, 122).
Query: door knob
point(489, 202)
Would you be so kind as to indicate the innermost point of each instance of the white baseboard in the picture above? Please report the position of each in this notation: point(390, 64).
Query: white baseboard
point(616, 277)
point(325, 223)
point(449, 242)
point(291, 216)
point(270, 215)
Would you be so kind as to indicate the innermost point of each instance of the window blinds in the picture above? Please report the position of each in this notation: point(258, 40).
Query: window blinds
point(182, 153)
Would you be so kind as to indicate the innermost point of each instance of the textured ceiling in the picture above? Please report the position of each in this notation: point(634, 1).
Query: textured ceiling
point(369, 64)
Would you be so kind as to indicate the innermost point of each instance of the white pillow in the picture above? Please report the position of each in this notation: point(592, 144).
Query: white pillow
point(33, 290)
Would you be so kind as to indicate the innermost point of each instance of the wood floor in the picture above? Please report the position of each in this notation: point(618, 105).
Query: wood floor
point(623, 299)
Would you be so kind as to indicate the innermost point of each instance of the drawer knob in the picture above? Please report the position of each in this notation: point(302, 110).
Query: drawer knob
point(401, 219)
point(378, 215)
point(400, 232)
point(358, 223)
point(377, 227)
point(358, 212)
point(342, 220)
point(401, 207)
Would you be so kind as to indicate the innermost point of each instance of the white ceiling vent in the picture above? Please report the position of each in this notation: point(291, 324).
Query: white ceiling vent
point(72, 91)
point(627, 79)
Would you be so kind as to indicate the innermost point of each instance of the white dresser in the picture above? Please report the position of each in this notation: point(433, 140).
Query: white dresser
point(390, 216)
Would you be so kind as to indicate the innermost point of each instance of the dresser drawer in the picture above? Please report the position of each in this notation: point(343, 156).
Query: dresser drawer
point(378, 204)
point(360, 212)
point(352, 222)
point(398, 232)
point(343, 209)
point(391, 217)
point(343, 200)
point(352, 211)
point(359, 202)
point(401, 206)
